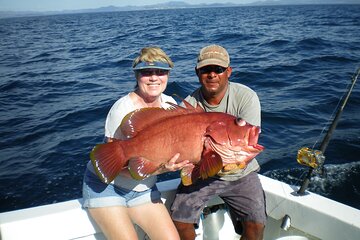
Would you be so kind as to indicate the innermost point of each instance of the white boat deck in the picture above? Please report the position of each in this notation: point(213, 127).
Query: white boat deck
point(312, 217)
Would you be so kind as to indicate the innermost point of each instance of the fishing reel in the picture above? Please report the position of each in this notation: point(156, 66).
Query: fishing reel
point(311, 158)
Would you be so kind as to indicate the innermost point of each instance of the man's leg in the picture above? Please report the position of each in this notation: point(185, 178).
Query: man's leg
point(246, 203)
point(188, 204)
point(185, 230)
point(252, 231)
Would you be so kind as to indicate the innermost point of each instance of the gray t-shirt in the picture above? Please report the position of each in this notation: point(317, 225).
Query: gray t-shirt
point(240, 101)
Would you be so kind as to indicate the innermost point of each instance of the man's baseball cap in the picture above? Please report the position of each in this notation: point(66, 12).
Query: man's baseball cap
point(213, 55)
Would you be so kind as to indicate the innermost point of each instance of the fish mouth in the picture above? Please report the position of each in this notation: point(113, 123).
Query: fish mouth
point(259, 147)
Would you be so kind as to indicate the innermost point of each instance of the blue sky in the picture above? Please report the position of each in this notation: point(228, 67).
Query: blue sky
point(58, 5)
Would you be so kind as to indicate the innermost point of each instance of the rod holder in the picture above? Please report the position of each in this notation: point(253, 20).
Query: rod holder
point(286, 223)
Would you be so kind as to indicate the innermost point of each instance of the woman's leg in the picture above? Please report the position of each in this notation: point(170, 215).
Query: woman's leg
point(115, 222)
point(155, 220)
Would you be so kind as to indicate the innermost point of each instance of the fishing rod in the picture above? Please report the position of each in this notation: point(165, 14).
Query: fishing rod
point(315, 159)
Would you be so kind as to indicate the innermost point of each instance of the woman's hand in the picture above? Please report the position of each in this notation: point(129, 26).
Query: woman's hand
point(172, 166)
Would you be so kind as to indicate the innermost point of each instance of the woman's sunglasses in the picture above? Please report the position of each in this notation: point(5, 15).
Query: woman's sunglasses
point(154, 71)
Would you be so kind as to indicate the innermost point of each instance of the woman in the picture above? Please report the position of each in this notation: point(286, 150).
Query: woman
point(125, 201)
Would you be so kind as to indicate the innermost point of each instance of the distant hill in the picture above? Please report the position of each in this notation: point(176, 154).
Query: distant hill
point(173, 5)
point(303, 2)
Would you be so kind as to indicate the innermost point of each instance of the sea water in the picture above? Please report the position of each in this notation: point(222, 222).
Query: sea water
point(60, 74)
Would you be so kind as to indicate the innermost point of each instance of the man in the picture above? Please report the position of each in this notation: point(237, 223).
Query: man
point(241, 190)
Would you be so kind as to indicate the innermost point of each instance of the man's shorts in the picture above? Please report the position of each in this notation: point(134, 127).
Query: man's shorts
point(98, 194)
point(244, 198)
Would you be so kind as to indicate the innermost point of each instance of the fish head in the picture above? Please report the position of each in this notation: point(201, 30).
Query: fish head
point(233, 133)
point(242, 133)
point(235, 140)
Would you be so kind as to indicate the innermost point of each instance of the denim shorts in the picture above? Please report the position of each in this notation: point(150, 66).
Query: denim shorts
point(244, 198)
point(98, 194)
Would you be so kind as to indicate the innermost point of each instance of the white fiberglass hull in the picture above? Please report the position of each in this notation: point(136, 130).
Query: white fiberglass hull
point(309, 217)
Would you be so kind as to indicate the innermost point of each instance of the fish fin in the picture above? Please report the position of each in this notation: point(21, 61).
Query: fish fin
point(211, 164)
point(187, 108)
point(199, 109)
point(134, 121)
point(108, 160)
point(187, 105)
point(179, 110)
point(141, 168)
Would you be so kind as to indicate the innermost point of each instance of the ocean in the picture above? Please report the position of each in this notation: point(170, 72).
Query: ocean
point(60, 74)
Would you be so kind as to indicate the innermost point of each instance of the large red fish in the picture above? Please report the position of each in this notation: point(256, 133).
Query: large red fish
point(210, 140)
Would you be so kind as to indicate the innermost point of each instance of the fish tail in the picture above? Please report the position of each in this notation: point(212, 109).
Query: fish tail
point(108, 160)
